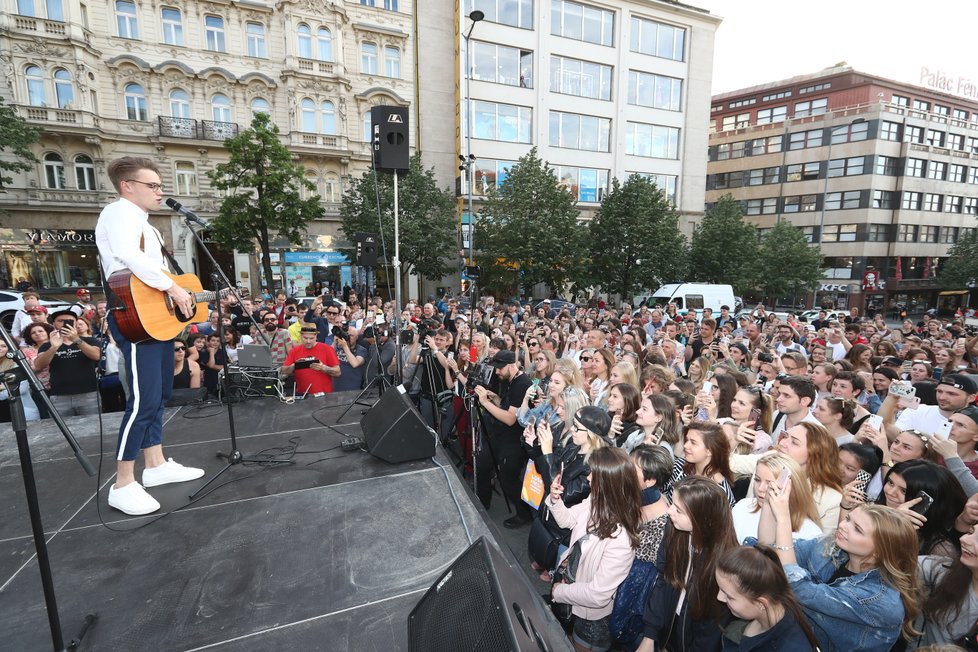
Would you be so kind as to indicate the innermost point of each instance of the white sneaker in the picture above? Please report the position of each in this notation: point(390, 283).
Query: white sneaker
point(169, 471)
point(132, 499)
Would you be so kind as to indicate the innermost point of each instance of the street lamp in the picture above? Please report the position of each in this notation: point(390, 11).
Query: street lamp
point(468, 161)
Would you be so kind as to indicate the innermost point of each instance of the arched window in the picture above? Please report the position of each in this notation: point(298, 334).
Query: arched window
point(366, 127)
point(84, 172)
point(312, 178)
point(179, 103)
point(324, 44)
point(64, 89)
point(392, 62)
point(35, 86)
point(328, 115)
point(221, 108)
point(54, 171)
point(331, 189)
point(308, 116)
point(260, 105)
point(135, 100)
point(305, 41)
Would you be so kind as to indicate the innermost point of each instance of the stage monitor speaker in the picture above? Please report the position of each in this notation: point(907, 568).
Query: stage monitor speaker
point(389, 126)
point(367, 249)
point(394, 430)
point(481, 604)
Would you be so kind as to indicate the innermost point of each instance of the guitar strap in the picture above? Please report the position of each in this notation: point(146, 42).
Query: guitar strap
point(166, 252)
point(113, 301)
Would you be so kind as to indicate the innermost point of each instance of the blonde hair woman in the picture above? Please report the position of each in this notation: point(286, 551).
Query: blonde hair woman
point(805, 522)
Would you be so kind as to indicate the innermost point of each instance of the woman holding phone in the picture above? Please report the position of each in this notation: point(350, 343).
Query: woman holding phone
point(778, 468)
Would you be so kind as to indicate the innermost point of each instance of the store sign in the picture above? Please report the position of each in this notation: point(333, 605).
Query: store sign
point(871, 281)
point(60, 236)
point(316, 258)
point(948, 82)
point(834, 287)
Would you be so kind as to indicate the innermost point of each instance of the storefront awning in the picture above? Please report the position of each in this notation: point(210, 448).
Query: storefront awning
point(947, 293)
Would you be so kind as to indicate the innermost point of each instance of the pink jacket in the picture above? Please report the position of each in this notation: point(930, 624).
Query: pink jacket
point(604, 563)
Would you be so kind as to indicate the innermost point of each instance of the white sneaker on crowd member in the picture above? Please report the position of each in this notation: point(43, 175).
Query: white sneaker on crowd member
point(132, 499)
point(169, 472)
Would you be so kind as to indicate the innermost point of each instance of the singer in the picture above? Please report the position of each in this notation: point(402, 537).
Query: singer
point(126, 240)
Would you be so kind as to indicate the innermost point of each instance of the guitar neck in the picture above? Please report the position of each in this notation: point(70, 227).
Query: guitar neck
point(208, 296)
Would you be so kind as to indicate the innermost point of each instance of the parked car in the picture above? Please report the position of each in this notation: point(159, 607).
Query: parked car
point(558, 305)
point(11, 301)
point(812, 315)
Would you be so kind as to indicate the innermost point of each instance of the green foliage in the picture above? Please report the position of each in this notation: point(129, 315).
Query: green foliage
point(634, 242)
point(264, 191)
point(528, 230)
point(427, 221)
point(724, 248)
point(16, 136)
point(786, 263)
point(960, 270)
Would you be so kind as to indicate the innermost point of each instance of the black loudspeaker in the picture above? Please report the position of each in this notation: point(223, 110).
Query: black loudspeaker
point(394, 430)
point(389, 129)
point(480, 604)
point(367, 249)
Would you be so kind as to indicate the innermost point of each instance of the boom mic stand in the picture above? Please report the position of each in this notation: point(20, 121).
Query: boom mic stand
point(11, 380)
point(380, 380)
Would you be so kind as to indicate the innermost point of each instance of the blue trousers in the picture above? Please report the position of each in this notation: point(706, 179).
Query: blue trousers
point(149, 377)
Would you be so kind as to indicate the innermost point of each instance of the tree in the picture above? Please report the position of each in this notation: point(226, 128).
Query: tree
point(724, 247)
point(264, 193)
point(786, 264)
point(634, 242)
point(16, 136)
point(427, 221)
point(960, 270)
point(527, 228)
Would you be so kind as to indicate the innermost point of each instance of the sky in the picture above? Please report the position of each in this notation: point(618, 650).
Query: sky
point(761, 41)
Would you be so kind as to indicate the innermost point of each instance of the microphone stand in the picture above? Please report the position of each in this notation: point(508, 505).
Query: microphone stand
point(11, 379)
point(234, 456)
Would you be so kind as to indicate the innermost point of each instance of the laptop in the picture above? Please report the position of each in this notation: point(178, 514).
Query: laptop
point(255, 356)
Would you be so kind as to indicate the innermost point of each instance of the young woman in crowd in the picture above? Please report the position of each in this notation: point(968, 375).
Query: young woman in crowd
point(750, 414)
point(766, 614)
point(27, 403)
point(602, 360)
point(859, 357)
point(606, 525)
point(34, 336)
point(855, 457)
point(682, 612)
point(837, 415)
point(231, 341)
point(623, 372)
point(882, 377)
point(186, 373)
point(654, 466)
point(623, 404)
point(804, 513)
point(656, 417)
point(706, 453)
point(858, 590)
point(950, 594)
point(698, 371)
point(818, 455)
point(544, 363)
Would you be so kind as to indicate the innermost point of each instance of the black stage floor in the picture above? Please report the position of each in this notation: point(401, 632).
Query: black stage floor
point(329, 554)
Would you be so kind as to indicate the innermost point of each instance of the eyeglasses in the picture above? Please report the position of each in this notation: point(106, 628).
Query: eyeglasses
point(533, 343)
point(332, 312)
point(270, 321)
point(585, 358)
point(179, 348)
point(155, 187)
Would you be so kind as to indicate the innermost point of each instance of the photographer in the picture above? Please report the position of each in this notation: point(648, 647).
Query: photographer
point(503, 436)
point(325, 326)
point(432, 362)
point(377, 342)
point(408, 347)
point(351, 359)
point(72, 360)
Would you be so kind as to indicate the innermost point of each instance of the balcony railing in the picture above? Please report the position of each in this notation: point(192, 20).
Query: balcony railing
point(171, 127)
point(328, 141)
point(39, 26)
point(311, 65)
point(59, 116)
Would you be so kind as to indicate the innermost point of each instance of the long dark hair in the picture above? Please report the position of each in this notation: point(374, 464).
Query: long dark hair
point(716, 441)
point(712, 535)
point(632, 399)
point(943, 487)
point(728, 389)
point(758, 573)
point(616, 498)
point(944, 601)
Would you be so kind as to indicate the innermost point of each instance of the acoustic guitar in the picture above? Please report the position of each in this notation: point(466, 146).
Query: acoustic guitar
point(146, 313)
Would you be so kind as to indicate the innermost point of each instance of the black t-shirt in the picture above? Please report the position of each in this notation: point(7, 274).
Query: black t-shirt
point(697, 346)
point(511, 396)
point(432, 372)
point(819, 324)
point(72, 372)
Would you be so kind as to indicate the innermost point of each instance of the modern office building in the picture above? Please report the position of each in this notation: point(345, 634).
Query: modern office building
point(171, 81)
point(880, 175)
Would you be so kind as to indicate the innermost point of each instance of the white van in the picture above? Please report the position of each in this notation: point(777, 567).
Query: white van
point(691, 296)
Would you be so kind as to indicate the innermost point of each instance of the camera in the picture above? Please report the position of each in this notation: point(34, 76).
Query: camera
point(480, 375)
point(68, 323)
point(407, 337)
point(340, 331)
point(765, 357)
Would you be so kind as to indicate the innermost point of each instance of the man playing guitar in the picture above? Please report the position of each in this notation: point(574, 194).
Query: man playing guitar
point(126, 240)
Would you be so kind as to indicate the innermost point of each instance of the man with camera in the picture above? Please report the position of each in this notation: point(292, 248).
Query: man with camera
point(502, 442)
point(432, 362)
point(72, 360)
point(328, 325)
point(314, 364)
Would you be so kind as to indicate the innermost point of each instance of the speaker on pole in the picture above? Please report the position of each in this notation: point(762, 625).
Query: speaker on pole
point(367, 249)
point(389, 126)
point(394, 430)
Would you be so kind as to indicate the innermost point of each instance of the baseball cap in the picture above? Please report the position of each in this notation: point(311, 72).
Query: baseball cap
point(81, 292)
point(963, 382)
point(501, 359)
point(40, 309)
point(594, 419)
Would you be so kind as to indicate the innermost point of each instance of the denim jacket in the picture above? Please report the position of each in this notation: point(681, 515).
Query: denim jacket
point(853, 613)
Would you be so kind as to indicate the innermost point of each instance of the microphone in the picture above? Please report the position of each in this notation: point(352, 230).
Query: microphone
point(186, 212)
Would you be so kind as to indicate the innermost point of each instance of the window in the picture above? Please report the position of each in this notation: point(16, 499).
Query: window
point(854, 132)
point(730, 150)
point(656, 91)
point(84, 173)
point(392, 61)
point(54, 171)
point(884, 199)
point(915, 167)
point(367, 127)
point(769, 145)
point(955, 141)
point(780, 95)
point(64, 89)
point(518, 13)
point(940, 109)
point(368, 58)
point(973, 175)
point(928, 234)
point(308, 109)
point(811, 107)
point(135, 100)
point(723, 180)
point(912, 201)
point(953, 203)
point(658, 39)
point(327, 115)
point(937, 170)
point(489, 173)
point(970, 208)
point(655, 141)
point(900, 100)
point(933, 201)
point(839, 233)
point(935, 137)
point(846, 167)
point(907, 233)
point(389, 5)
point(921, 105)
point(26, 8)
point(260, 105)
point(763, 176)
point(586, 184)
point(502, 65)
point(304, 39)
point(835, 201)
point(179, 103)
point(214, 33)
point(949, 235)
point(256, 40)
point(960, 114)
point(815, 88)
point(913, 134)
point(957, 173)
point(186, 178)
point(774, 114)
point(125, 19)
point(324, 45)
point(221, 108)
point(802, 171)
point(735, 122)
point(172, 21)
point(582, 22)
point(580, 78)
point(739, 103)
point(888, 165)
point(579, 131)
point(800, 203)
point(890, 130)
point(331, 189)
point(768, 206)
point(805, 139)
point(878, 233)
point(504, 122)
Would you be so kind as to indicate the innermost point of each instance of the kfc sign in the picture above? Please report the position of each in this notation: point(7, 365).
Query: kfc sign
point(834, 287)
point(871, 281)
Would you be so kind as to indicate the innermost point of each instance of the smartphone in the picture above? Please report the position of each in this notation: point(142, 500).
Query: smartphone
point(862, 480)
point(755, 418)
point(473, 353)
point(532, 422)
point(944, 431)
point(783, 478)
point(451, 355)
point(926, 501)
point(707, 386)
point(876, 421)
point(903, 390)
point(68, 323)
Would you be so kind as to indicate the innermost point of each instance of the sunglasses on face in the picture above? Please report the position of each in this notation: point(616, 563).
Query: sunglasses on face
point(179, 348)
point(585, 358)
